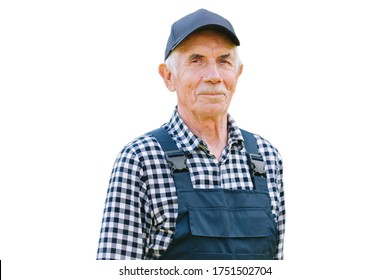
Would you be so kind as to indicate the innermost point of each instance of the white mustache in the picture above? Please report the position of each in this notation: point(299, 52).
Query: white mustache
point(221, 89)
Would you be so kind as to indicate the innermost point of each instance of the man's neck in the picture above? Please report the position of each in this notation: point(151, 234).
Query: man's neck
point(212, 130)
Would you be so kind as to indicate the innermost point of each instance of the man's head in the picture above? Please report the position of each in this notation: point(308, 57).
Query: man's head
point(202, 64)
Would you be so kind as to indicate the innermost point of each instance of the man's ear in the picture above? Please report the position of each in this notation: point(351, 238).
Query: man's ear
point(240, 68)
point(167, 76)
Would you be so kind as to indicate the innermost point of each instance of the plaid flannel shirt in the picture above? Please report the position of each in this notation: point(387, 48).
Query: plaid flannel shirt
point(141, 206)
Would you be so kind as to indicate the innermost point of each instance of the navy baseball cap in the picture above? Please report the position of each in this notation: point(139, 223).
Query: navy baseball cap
point(200, 20)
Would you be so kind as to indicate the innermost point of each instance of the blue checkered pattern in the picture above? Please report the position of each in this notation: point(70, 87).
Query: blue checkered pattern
point(141, 206)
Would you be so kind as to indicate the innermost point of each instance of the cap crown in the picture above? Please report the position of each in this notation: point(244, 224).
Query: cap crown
point(202, 19)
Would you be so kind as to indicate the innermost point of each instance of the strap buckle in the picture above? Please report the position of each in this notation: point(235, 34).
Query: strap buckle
point(177, 159)
point(259, 165)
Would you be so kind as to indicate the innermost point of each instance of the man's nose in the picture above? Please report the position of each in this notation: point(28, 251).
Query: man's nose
point(212, 74)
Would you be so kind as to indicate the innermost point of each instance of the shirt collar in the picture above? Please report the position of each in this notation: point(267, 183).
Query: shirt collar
point(189, 142)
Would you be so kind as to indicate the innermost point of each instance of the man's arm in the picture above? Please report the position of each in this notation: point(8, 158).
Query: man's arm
point(123, 230)
point(282, 212)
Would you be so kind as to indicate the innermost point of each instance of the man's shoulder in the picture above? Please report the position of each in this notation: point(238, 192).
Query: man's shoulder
point(264, 145)
point(144, 144)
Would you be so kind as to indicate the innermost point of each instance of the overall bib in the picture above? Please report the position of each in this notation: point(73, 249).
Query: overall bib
point(219, 224)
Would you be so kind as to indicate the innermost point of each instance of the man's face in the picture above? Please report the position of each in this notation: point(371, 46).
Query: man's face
point(206, 75)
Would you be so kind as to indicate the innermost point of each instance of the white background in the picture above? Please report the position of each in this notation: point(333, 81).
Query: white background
point(79, 80)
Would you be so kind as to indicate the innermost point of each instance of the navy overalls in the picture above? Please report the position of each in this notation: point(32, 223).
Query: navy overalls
point(219, 224)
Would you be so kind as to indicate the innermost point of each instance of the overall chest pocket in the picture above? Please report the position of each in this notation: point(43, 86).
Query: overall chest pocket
point(229, 223)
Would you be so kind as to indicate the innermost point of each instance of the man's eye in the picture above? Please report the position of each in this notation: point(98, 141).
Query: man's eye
point(224, 61)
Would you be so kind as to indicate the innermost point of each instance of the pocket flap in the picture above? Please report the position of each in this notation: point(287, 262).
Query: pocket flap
point(229, 223)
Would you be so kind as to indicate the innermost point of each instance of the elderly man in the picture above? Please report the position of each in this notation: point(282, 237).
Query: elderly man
point(198, 187)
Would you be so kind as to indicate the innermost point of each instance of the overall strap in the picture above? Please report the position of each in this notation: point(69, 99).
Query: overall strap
point(255, 160)
point(250, 142)
point(175, 156)
point(176, 159)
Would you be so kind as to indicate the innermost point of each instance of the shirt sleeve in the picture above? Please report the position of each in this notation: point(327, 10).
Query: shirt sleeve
point(124, 224)
point(281, 219)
